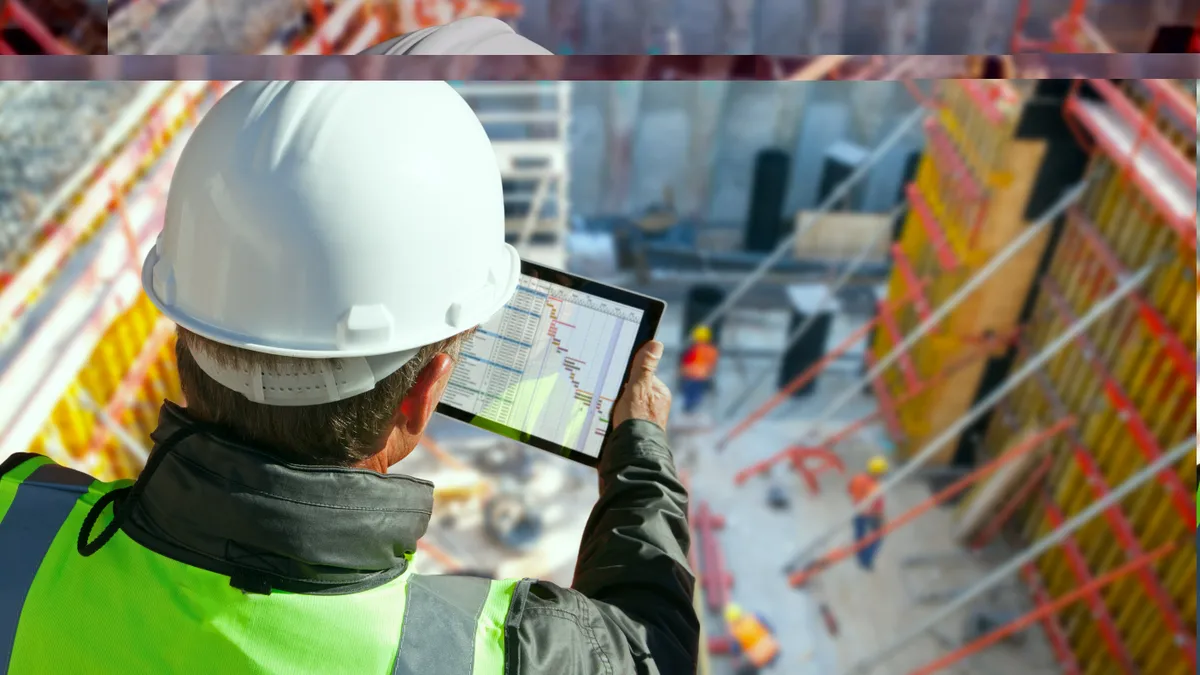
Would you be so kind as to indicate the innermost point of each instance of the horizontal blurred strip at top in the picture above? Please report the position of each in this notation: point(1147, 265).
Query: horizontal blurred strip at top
point(247, 67)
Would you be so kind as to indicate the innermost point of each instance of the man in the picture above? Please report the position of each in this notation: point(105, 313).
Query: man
point(697, 368)
point(862, 488)
point(753, 640)
point(326, 248)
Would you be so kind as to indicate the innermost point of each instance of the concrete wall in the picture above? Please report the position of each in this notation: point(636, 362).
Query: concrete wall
point(629, 141)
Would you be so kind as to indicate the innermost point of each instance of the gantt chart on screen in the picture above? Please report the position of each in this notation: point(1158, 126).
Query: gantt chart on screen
point(549, 364)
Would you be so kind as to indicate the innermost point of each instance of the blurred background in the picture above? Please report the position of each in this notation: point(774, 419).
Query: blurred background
point(60, 27)
point(641, 26)
point(886, 268)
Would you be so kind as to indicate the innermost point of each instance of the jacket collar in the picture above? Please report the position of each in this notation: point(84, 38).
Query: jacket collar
point(230, 508)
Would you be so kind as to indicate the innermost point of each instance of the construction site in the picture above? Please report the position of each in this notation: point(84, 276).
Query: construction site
point(780, 27)
point(988, 283)
point(53, 27)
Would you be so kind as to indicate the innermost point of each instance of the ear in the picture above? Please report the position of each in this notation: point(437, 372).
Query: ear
point(421, 401)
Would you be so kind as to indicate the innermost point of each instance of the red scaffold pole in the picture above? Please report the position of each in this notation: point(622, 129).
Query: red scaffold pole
point(1044, 611)
point(854, 427)
point(815, 369)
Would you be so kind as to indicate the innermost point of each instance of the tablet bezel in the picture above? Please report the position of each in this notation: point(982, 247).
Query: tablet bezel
point(653, 308)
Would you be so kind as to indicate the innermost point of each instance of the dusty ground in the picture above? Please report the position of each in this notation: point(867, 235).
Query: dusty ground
point(871, 608)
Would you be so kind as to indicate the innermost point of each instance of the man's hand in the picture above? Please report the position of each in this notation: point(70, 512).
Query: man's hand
point(645, 396)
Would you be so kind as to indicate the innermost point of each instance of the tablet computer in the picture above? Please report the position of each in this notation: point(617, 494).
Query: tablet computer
point(547, 367)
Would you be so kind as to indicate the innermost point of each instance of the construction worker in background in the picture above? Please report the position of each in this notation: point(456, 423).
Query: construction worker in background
point(697, 368)
point(753, 640)
point(862, 488)
point(326, 247)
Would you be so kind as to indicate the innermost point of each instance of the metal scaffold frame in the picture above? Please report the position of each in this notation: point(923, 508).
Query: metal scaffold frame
point(1158, 313)
point(540, 154)
point(926, 326)
point(1156, 309)
point(87, 301)
point(1028, 445)
point(354, 25)
point(111, 209)
point(1035, 550)
point(1030, 367)
point(15, 12)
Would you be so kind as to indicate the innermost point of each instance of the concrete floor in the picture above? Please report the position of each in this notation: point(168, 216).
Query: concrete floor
point(871, 608)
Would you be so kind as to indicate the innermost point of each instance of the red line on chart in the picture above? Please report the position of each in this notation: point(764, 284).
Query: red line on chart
point(569, 363)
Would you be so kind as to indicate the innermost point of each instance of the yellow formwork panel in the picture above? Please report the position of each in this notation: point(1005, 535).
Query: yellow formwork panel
point(1135, 361)
point(976, 147)
point(134, 361)
point(973, 155)
point(979, 139)
point(1133, 618)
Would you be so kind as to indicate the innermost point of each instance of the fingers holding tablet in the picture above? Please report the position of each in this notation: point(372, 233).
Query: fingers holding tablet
point(547, 369)
point(644, 397)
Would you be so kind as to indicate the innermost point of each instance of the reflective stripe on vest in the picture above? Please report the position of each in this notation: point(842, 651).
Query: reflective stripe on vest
point(27, 527)
point(439, 625)
point(445, 625)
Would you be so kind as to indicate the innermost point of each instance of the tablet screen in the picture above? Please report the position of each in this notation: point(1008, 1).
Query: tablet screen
point(550, 364)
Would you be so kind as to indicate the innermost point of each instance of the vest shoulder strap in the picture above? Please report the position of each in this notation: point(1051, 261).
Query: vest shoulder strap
point(36, 498)
point(442, 619)
point(444, 616)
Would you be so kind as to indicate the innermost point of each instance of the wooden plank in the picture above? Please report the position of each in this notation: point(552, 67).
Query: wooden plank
point(842, 235)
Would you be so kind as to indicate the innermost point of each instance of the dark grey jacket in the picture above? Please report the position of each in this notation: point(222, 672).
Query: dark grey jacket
point(213, 503)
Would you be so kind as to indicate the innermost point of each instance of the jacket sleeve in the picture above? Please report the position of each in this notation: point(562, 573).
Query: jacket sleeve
point(630, 609)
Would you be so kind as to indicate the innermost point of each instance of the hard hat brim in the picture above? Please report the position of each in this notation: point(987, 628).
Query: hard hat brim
point(505, 269)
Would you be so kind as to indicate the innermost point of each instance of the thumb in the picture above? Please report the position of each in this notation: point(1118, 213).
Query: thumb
point(646, 360)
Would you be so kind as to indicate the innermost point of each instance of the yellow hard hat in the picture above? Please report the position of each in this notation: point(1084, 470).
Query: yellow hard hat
point(877, 465)
point(732, 612)
point(701, 334)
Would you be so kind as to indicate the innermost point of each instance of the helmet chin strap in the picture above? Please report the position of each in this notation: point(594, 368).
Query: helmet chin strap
point(302, 382)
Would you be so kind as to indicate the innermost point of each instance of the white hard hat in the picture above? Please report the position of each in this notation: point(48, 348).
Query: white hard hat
point(357, 221)
point(478, 35)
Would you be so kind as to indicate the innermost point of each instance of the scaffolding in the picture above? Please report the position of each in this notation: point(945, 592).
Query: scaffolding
point(351, 26)
point(987, 277)
point(1139, 207)
point(529, 124)
point(91, 359)
point(51, 27)
point(1076, 33)
point(1119, 244)
point(277, 27)
point(1137, 211)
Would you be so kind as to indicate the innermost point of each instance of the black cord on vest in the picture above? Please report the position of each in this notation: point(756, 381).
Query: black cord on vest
point(124, 498)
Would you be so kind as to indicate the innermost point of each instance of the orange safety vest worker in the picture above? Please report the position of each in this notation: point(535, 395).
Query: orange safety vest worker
point(756, 642)
point(861, 486)
point(700, 361)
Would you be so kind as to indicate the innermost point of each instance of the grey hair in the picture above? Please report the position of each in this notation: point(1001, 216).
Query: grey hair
point(341, 433)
